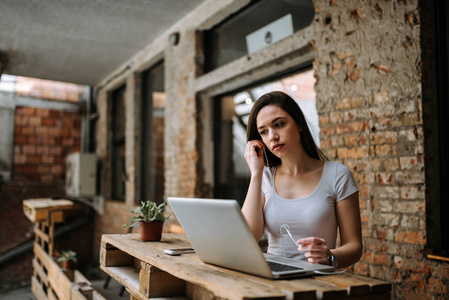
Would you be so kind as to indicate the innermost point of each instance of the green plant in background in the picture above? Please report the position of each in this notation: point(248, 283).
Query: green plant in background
point(149, 211)
point(68, 255)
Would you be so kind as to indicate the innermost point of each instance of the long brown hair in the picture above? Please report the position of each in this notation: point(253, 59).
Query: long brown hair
point(290, 106)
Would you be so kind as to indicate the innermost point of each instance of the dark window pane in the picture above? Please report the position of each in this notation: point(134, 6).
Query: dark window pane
point(118, 170)
point(153, 121)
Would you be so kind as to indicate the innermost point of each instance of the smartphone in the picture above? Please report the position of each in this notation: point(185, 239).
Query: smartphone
point(179, 251)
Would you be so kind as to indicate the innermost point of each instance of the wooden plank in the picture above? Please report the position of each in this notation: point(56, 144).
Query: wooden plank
point(76, 294)
point(377, 286)
point(59, 281)
point(36, 209)
point(221, 284)
point(354, 286)
point(97, 296)
point(154, 282)
point(41, 234)
point(114, 258)
point(40, 271)
point(293, 289)
point(37, 289)
point(57, 216)
point(51, 295)
point(193, 291)
point(40, 254)
point(127, 276)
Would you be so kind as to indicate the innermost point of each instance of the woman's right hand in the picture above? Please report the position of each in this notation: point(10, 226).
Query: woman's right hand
point(255, 157)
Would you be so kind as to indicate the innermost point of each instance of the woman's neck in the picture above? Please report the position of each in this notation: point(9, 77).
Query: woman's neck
point(299, 163)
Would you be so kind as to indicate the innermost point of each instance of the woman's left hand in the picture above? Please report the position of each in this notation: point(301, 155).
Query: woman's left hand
point(316, 250)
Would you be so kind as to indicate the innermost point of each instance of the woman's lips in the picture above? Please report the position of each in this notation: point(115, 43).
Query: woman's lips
point(277, 147)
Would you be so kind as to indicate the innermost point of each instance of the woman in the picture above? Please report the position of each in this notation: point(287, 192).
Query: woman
point(295, 191)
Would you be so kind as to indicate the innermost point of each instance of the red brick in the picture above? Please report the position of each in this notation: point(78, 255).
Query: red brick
point(29, 169)
point(42, 131)
point(42, 169)
point(75, 133)
point(416, 281)
point(361, 268)
point(20, 159)
point(57, 170)
point(384, 150)
point(325, 143)
point(68, 122)
point(28, 111)
point(351, 140)
point(442, 271)
point(46, 178)
point(352, 127)
point(67, 142)
point(410, 237)
point(384, 178)
point(352, 152)
point(387, 137)
point(35, 121)
point(420, 267)
point(437, 286)
point(48, 159)
point(336, 117)
point(42, 112)
point(43, 150)
point(34, 140)
point(20, 140)
point(27, 130)
point(23, 121)
point(57, 150)
point(323, 120)
point(47, 122)
point(48, 141)
point(381, 259)
point(33, 159)
point(348, 103)
point(29, 149)
point(54, 131)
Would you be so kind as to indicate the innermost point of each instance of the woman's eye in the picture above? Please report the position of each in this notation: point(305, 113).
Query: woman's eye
point(262, 132)
point(279, 124)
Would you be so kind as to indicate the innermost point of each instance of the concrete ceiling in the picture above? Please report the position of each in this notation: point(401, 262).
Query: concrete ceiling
point(81, 41)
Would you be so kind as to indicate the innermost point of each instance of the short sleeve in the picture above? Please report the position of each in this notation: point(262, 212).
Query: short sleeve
point(344, 182)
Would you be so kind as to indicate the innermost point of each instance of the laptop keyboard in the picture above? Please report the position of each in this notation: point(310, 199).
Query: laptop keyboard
point(276, 267)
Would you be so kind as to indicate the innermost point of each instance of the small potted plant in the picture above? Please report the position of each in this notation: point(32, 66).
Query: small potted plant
point(68, 259)
point(151, 218)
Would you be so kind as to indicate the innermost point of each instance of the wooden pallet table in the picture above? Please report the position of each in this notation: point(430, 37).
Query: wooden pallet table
point(146, 272)
point(49, 281)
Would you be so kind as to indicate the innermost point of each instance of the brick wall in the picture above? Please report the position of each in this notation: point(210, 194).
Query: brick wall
point(370, 107)
point(42, 140)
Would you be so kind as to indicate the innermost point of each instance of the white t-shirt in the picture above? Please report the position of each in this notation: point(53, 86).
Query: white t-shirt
point(313, 215)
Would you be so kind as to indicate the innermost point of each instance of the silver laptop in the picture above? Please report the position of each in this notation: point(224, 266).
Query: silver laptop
point(220, 235)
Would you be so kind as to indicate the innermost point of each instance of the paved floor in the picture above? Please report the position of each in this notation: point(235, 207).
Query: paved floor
point(111, 293)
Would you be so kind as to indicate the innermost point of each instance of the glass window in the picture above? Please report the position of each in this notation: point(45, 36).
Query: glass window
point(232, 174)
point(118, 171)
point(153, 122)
point(227, 41)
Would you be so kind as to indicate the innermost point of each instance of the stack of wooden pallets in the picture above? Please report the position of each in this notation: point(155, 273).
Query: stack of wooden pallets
point(49, 281)
point(146, 272)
